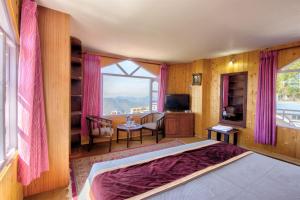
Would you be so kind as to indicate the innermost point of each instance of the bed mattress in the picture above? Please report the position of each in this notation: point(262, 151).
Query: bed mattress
point(252, 177)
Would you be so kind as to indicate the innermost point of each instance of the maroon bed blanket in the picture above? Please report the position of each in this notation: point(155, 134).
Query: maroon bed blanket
point(134, 180)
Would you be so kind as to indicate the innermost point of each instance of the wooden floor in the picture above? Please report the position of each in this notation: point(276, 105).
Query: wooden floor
point(102, 148)
point(63, 193)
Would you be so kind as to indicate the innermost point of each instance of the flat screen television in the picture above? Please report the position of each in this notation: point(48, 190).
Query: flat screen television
point(177, 102)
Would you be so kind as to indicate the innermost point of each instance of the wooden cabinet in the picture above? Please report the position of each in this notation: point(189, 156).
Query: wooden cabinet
point(179, 124)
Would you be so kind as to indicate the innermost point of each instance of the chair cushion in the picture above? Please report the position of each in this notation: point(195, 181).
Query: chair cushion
point(105, 131)
point(151, 125)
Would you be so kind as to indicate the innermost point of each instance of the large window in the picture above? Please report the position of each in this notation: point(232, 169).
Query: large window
point(288, 95)
point(128, 89)
point(8, 87)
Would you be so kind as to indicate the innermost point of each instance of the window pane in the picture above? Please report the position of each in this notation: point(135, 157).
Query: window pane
point(4, 20)
point(6, 101)
point(10, 96)
point(13, 95)
point(154, 96)
point(1, 97)
point(128, 66)
point(112, 69)
point(288, 99)
point(154, 106)
point(144, 73)
point(155, 86)
point(125, 95)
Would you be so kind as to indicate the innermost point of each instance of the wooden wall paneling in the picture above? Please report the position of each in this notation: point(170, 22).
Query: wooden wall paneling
point(54, 28)
point(10, 189)
point(288, 141)
point(14, 9)
point(287, 56)
point(152, 68)
point(105, 61)
point(206, 82)
point(180, 78)
point(196, 98)
point(298, 146)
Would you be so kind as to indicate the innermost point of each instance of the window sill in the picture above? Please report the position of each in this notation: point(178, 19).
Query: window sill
point(289, 127)
point(6, 164)
point(124, 115)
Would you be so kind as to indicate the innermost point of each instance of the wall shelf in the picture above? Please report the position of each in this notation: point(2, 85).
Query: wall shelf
point(75, 113)
point(76, 95)
point(75, 131)
point(76, 60)
point(76, 91)
point(77, 78)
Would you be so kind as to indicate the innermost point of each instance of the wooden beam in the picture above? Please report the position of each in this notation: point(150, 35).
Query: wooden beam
point(102, 54)
point(282, 47)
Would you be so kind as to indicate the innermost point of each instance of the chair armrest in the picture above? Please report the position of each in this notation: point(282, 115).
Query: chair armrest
point(105, 120)
point(100, 120)
point(159, 122)
point(144, 117)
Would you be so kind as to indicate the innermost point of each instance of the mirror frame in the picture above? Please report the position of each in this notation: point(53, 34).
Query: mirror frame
point(230, 122)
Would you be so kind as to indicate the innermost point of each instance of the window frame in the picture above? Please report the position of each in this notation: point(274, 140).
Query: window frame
point(283, 71)
point(130, 75)
point(7, 155)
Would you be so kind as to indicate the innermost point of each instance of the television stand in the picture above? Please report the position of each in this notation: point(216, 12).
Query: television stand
point(179, 124)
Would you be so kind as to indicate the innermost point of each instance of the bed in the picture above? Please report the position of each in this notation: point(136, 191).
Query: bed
point(252, 176)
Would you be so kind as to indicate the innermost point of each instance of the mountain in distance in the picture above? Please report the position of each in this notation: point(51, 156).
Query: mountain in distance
point(123, 104)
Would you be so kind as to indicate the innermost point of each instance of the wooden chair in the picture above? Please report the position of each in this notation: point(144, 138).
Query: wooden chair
point(99, 128)
point(154, 122)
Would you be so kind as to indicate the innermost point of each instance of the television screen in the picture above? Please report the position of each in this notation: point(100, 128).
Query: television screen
point(177, 102)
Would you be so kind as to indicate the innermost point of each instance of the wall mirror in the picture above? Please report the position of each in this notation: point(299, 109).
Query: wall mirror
point(233, 102)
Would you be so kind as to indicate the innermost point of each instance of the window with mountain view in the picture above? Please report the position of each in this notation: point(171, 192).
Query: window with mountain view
point(288, 95)
point(128, 89)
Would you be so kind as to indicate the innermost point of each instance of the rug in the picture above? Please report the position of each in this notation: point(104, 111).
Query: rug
point(80, 167)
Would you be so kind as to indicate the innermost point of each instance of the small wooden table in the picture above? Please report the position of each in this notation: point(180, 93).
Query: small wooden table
point(129, 130)
point(226, 134)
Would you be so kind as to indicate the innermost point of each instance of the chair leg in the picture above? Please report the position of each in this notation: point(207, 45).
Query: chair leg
point(156, 136)
point(90, 143)
point(110, 141)
point(163, 133)
point(152, 133)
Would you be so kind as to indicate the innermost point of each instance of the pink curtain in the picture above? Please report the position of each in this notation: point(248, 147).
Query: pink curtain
point(265, 122)
point(225, 90)
point(162, 87)
point(91, 89)
point(32, 133)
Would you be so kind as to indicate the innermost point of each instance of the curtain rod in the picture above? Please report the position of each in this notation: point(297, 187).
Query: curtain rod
point(282, 48)
point(124, 58)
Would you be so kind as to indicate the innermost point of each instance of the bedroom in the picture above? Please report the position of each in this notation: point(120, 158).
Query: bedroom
point(200, 50)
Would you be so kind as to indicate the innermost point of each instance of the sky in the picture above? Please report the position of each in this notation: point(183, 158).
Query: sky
point(114, 86)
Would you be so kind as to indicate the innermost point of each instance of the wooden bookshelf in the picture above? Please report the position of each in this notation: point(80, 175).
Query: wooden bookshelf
point(76, 91)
